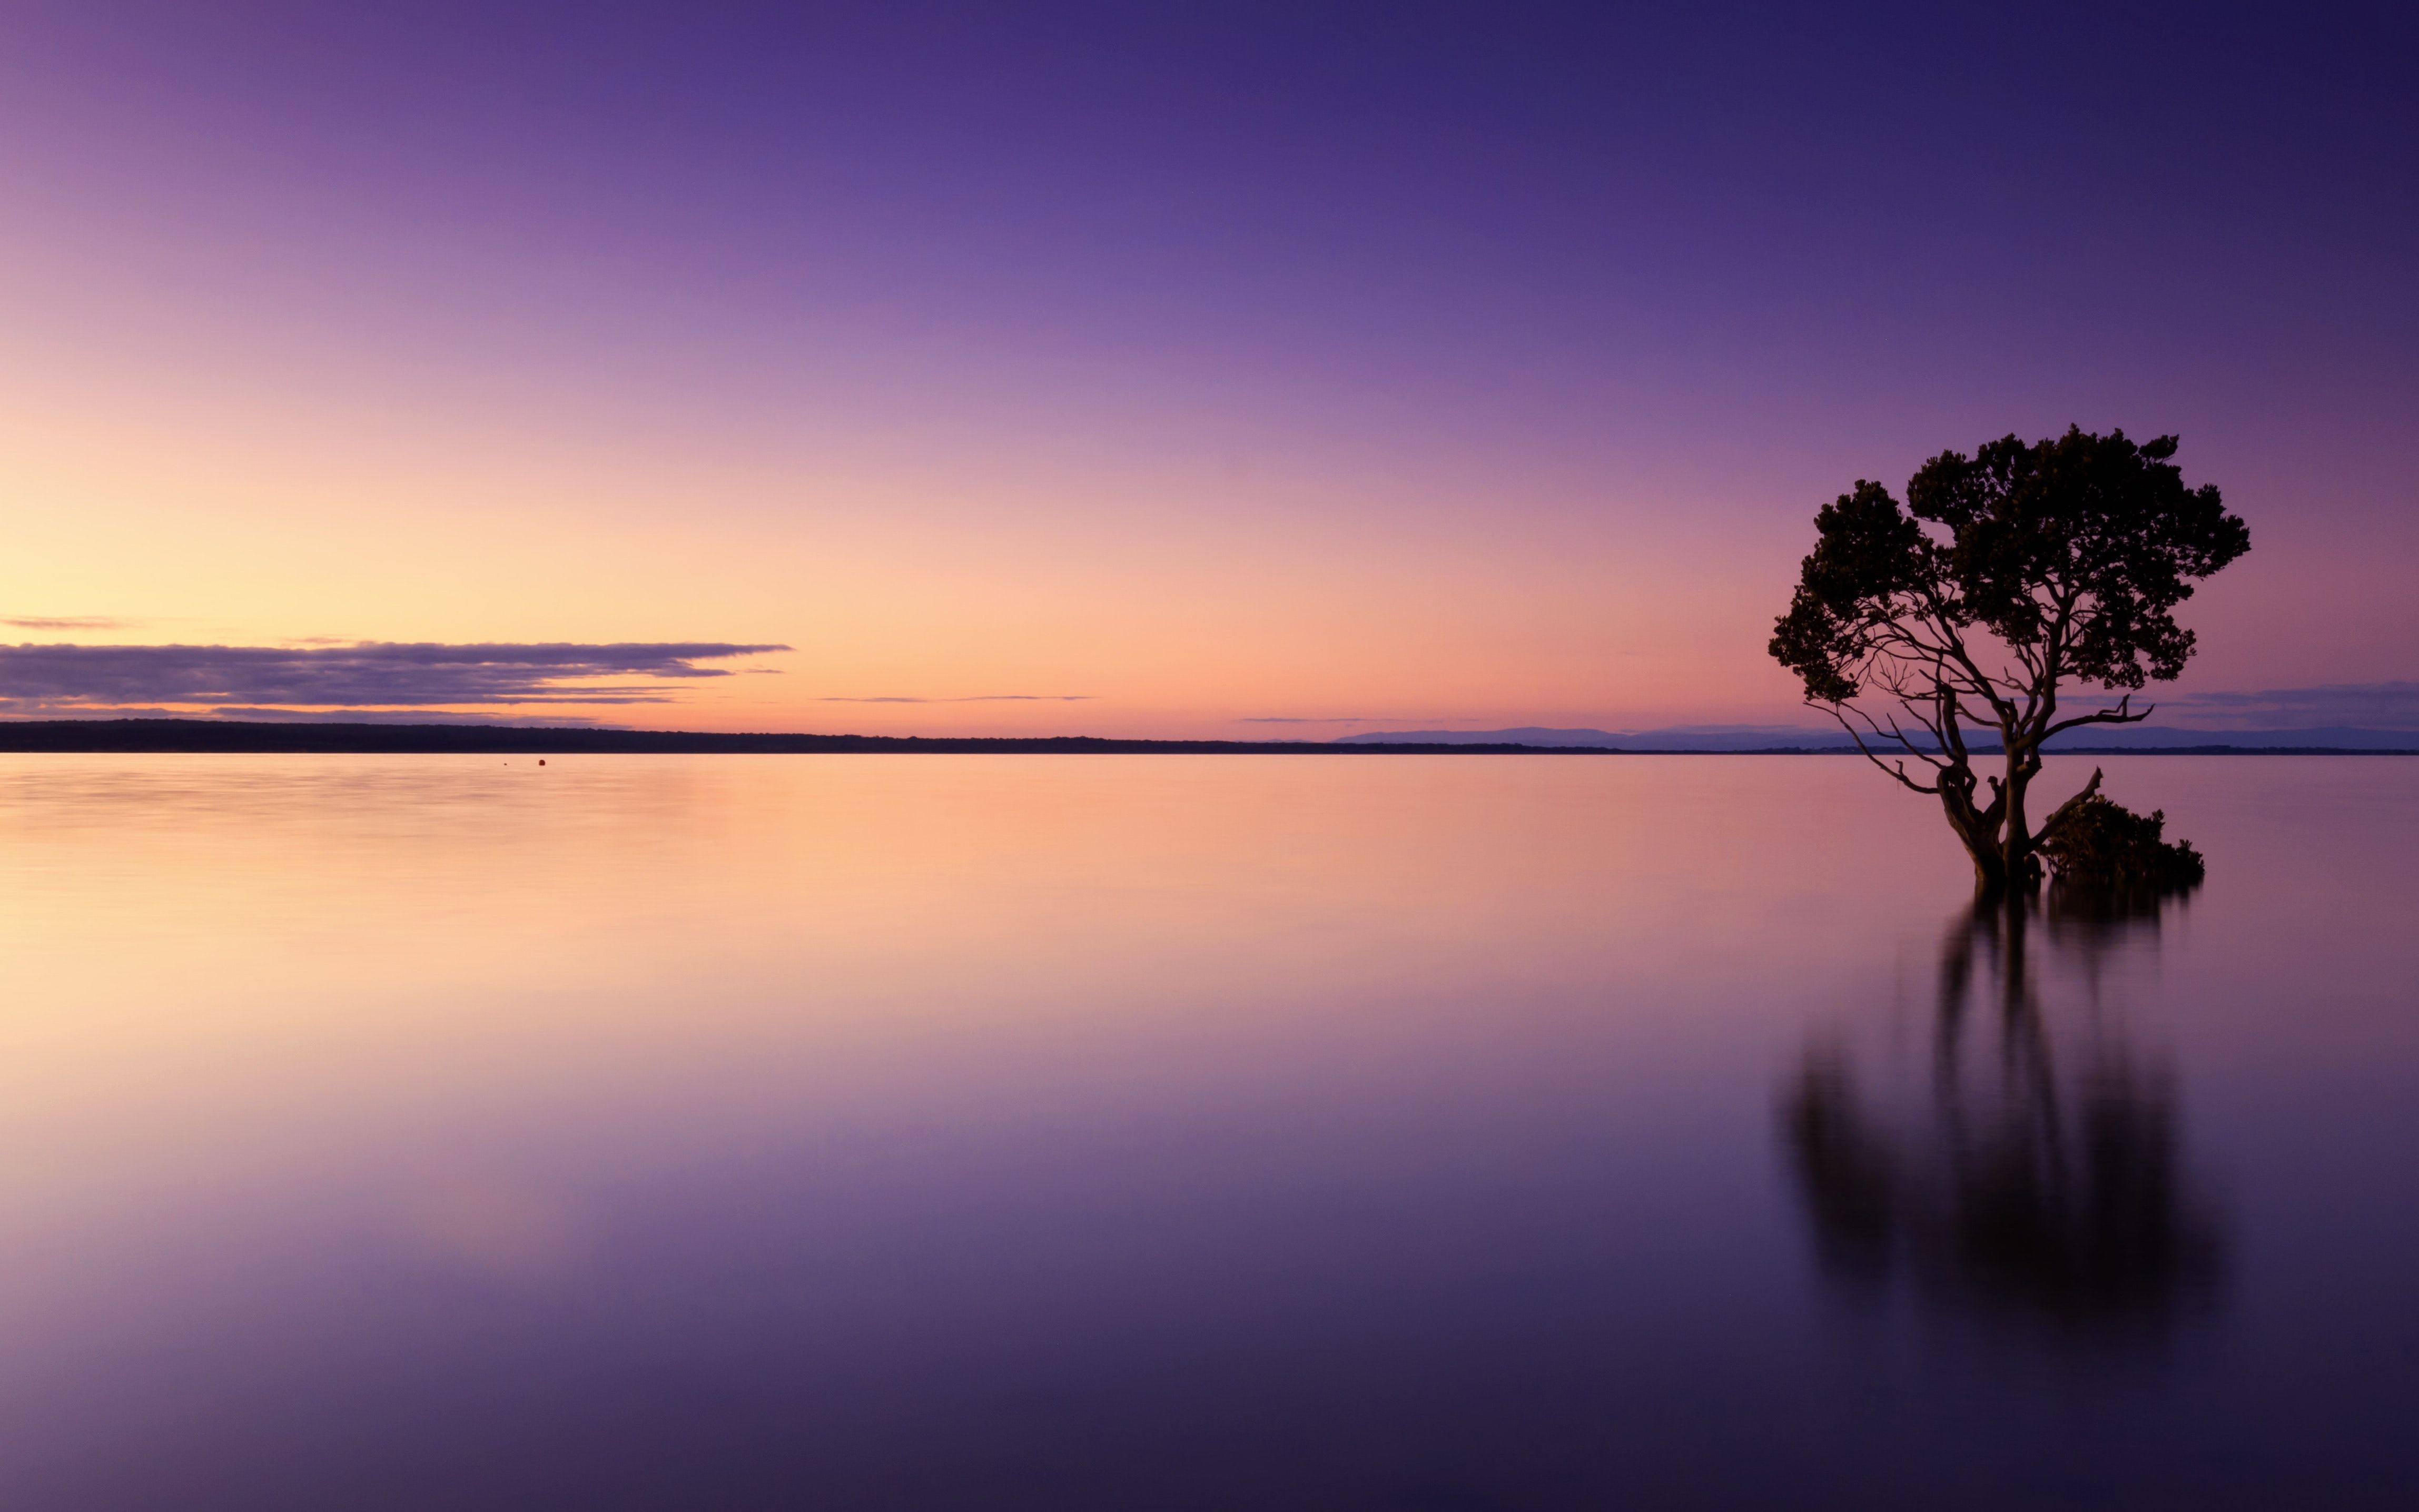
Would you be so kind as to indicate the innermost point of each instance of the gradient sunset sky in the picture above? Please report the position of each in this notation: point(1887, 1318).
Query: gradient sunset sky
point(1155, 370)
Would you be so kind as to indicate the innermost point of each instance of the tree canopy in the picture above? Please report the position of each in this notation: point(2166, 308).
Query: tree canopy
point(2004, 577)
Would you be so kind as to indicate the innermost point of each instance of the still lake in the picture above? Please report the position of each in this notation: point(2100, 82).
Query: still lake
point(1170, 1132)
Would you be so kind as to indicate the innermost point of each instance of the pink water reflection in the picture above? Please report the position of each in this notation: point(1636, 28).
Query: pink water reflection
point(1058, 1131)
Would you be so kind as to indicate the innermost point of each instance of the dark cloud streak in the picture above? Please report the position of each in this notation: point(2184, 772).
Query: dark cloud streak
point(2393, 705)
point(80, 622)
point(390, 674)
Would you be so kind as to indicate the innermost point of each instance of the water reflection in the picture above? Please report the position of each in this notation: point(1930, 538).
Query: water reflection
point(1107, 1132)
point(2031, 1173)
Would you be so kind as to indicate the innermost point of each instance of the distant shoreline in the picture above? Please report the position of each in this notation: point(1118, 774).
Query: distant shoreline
point(208, 737)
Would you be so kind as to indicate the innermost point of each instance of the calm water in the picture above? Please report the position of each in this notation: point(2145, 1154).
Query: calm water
point(1173, 1132)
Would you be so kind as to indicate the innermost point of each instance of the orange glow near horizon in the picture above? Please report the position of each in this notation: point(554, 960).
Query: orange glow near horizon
point(1321, 599)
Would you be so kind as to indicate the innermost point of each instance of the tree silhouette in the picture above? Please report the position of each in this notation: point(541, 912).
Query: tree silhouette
point(2006, 576)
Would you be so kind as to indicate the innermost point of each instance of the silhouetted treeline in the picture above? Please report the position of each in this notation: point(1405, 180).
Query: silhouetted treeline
point(489, 739)
point(242, 736)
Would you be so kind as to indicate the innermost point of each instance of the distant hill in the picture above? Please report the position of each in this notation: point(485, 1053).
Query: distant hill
point(2155, 737)
point(1685, 737)
point(1793, 737)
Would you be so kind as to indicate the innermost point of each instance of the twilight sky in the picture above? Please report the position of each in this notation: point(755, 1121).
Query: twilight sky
point(1153, 370)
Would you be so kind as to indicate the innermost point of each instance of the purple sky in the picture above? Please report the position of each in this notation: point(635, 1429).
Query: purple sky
point(1431, 364)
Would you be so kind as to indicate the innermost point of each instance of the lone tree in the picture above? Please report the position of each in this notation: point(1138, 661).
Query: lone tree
point(2006, 576)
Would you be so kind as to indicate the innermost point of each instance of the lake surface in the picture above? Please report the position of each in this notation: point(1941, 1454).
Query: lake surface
point(1173, 1132)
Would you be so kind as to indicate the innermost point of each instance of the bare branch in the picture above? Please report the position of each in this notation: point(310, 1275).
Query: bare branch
point(1893, 732)
point(2058, 815)
point(2119, 715)
point(1898, 771)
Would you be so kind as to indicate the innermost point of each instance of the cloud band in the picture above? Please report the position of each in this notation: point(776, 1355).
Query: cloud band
point(383, 674)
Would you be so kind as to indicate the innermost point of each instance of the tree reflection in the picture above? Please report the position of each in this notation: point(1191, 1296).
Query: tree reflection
point(2026, 1173)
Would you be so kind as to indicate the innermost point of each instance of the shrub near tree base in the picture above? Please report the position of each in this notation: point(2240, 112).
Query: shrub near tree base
point(2100, 843)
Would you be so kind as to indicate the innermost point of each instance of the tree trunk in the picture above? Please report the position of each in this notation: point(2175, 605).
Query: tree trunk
point(1980, 837)
point(1990, 869)
point(2016, 841)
